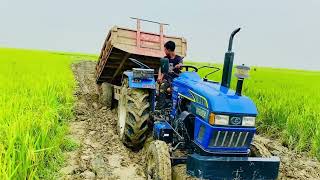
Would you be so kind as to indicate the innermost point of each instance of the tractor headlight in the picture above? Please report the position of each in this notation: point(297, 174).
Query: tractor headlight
point(248, 121)
point(221, 120)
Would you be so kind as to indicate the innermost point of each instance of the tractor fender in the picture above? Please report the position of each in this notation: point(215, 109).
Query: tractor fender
point(148, 83)
point(188, 120)
point(184, 115)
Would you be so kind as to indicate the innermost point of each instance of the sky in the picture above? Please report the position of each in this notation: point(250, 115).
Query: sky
point(275, 33)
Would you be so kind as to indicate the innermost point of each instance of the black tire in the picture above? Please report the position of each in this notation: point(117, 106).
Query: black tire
point(158, 161)
point(133, 116)
point(106, 95)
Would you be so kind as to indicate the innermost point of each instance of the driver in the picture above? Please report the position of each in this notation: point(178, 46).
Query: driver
point(165, 80)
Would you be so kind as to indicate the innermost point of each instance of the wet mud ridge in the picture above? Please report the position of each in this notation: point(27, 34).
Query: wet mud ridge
point(102, 155)
point(293, 165)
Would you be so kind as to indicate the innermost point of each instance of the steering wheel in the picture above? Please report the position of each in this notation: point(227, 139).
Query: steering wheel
point(187, 67)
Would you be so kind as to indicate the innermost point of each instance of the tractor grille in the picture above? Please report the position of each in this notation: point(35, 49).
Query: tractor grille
point(230, 139)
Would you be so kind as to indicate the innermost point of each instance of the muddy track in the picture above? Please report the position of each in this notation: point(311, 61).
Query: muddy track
point(101, 154)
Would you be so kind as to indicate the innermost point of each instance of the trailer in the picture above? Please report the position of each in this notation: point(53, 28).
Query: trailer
point(123, 43)
point(120, 45)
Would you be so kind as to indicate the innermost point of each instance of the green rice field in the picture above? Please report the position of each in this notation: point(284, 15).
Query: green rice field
point(36, 102)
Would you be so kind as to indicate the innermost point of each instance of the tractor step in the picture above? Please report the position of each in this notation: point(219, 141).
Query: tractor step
point(217, 167)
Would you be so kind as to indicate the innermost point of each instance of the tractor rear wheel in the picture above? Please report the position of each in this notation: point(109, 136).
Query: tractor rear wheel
point(133, 115)
point(158, 161)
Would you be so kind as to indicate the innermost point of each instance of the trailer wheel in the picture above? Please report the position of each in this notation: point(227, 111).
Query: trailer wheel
point(106, 94)
point(133, 115)
point(158, 161)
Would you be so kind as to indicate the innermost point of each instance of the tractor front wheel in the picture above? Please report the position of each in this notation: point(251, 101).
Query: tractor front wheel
point(158, 161)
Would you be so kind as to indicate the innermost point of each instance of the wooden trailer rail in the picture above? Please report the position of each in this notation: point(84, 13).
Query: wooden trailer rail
point(122, 43)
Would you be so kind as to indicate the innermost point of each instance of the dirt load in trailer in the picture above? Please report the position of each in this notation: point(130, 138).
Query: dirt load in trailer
point(123, 43)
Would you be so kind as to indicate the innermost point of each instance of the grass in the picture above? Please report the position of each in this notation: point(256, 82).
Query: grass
point(288, 101)
point(36, 101)
point(288, 105)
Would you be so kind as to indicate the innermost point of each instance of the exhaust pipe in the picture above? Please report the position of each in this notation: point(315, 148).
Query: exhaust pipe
point(228, 62)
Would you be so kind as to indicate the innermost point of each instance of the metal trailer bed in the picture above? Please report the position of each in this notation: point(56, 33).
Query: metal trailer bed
point(123, 43)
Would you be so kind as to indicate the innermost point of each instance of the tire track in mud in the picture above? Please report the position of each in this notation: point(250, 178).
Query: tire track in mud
point(102, 155)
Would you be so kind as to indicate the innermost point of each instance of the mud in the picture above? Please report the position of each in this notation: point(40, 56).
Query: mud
point(101, 154)
point(293, 165)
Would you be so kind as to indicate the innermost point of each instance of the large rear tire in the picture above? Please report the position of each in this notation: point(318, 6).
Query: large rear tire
point(133, 115)
point(158, 161)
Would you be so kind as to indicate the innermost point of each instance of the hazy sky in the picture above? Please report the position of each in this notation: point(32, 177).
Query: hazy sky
point(277, 33)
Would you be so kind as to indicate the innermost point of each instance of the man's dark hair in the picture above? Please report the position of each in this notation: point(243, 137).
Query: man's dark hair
point(170, 45)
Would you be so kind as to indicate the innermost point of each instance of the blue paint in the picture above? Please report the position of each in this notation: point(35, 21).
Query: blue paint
point(209, 130)
point(148, 83)
point(159, 125)
point(220, 99)
point(163, 131)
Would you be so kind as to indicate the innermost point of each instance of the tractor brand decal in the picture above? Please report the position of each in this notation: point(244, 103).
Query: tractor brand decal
point(201, 112)
point(199, 99)
point(235, 120)
point(196, 98)
point(151, 86)
point(136, 80)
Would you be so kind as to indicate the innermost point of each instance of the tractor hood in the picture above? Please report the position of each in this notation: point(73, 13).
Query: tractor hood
point(213, 96)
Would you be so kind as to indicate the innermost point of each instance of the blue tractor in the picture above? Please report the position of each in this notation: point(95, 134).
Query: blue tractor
point(212, 125)
point(205, 124)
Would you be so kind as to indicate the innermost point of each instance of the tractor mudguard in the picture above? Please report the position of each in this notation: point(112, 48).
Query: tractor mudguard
point(221, 167)
point(147, 83)
point(188, 121)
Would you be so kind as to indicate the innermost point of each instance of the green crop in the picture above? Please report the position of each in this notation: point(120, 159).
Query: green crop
point(288, 102)
point(36, 101)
